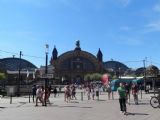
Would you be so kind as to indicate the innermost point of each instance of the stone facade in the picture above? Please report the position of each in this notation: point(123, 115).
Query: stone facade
point(73, 65)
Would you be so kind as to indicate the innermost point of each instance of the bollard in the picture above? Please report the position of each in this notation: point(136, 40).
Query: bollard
point(141, 93)
point(112, 95)
point(11, 99)
point(81, 96)
point(29, 98)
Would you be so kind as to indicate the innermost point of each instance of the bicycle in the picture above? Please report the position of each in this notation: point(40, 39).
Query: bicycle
point(155, 101)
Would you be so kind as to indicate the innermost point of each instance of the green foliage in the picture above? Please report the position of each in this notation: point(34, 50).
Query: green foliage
point(2, 76)
point(87, 77)
point(114, 77)
point(93, 77)
point(132, 75)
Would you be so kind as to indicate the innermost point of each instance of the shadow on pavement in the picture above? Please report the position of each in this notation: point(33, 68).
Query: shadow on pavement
point(70, 106)
point(144, 103)
point(21, 104)
point(139, 104)
point(101, 100)
point(3, 107)
point(128, 113)
point(74, 102)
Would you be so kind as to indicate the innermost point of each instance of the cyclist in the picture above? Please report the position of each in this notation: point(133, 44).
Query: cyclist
point(155, 100)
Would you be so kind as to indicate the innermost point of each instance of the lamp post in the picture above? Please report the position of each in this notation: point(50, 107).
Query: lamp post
point(46, 72)
point(19, 75)
point(144, 75)
point(119, 71)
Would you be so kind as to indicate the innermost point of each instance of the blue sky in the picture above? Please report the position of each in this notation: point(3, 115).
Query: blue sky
point(126, 30)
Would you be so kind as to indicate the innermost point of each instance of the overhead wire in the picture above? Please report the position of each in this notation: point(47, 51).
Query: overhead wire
point(13, 53)
point(38, 57)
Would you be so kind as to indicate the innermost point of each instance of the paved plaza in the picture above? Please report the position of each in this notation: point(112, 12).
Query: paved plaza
point(102, 109)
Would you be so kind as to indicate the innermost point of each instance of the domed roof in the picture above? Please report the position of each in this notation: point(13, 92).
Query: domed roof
point(152, 70)
point(13, 64)
point(78, 55)
point(77, 52)
point(140, 71)
point(152, 67)
point(115, 65)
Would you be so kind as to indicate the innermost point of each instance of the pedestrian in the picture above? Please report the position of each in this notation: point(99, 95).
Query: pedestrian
point(46, 95)
point(68, 93)
point(73, 89)
point(88, 90)
point(50, 90)
point(60, 88)
point(122, 98)
point(109, 91)
point(127, 87)
point(39, 95)
point(55, 91)
point(84, 89)
point(147, 88)
point(93, 92)
point(34, 88)
point(135, 93)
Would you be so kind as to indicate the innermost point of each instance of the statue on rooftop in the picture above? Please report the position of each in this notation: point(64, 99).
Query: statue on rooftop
point(78, 44)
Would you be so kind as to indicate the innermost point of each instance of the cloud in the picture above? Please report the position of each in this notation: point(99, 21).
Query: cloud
point(125, 28)
point(132, 41)
point(157, 7)
point(129, 40)
point(37, 3)
point(125, 2)
point(152, 27)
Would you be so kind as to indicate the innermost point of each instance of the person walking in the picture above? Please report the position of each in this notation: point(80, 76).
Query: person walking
point(55, 91)
point(135, 93)
point(73, 90)
point(127, 88)
point(68, 93)
point(46, 96)
point(122, 98)
point(92, 91)
point(34, 89)
point(109, 90)
point(65, 93)
point(88, 89)
point(39, 95)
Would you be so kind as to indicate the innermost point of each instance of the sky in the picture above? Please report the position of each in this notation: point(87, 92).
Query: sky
point(125, 30)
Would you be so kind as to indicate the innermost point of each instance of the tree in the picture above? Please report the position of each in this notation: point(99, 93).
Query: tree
point(93, 77)
point(87, 77)
point(96, 76)
point(2, 76)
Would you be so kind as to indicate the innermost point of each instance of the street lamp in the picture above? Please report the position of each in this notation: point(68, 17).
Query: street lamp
point(144, 63)
point(46, 72)
point(19, 75)
point(119, 71)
